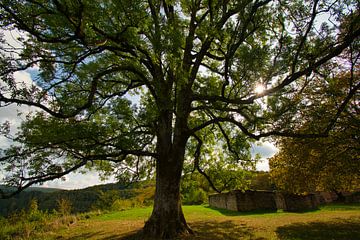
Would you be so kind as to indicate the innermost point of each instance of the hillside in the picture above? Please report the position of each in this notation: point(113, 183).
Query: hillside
point(81, 200)
point(30, 189)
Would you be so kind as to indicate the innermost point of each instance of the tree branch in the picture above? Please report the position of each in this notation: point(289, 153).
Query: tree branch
point(197, 163)
point(257, 136)
point(288, 80)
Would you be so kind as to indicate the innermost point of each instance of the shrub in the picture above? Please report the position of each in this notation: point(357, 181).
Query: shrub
point(195, 196)
point(123, 204)
point(64, 206)
point(32, 224)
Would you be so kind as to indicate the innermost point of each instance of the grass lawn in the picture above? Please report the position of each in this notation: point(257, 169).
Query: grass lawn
point(329, 222)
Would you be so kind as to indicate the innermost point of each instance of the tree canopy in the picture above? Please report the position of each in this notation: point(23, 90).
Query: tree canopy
point(193, 64)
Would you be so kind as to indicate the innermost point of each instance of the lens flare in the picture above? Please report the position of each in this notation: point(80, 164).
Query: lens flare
point(259, 89)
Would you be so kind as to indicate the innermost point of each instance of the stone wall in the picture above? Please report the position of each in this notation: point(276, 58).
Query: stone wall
point(267, 200)
point(353, 197)
point(299, 203)
point(280, 201)
point(325, 197)
point(255, 200)
point(223, 200)
point(263, 200)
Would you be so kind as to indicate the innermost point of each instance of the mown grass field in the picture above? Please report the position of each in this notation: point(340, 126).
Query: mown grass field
point(329, 222)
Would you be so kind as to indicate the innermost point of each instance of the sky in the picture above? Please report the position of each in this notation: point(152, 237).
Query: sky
point(15, 115)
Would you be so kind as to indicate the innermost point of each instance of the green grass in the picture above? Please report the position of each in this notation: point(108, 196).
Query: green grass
point(192, 212)
point(336, 222)
point(206, 212)
point(131, 214)
point(340, 207)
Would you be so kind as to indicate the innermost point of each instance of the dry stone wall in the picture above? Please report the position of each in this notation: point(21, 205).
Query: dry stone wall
point(263, 200)
point(254, 200)
point(299, 203)
point(326, 197)
point(224, 201)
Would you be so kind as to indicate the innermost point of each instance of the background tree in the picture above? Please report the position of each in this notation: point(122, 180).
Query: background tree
point(323, 164)
point(316, 165)
point(262, 181)
point(194, 64)
point(64, 206)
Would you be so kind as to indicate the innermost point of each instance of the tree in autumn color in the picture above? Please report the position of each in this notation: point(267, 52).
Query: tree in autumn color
point(323, 164)
point(210, 76)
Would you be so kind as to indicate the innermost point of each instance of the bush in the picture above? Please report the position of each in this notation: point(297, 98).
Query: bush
point(64, 206)
point(123, 204)
point(23, 224)
point(195, 196)
point(32, 224)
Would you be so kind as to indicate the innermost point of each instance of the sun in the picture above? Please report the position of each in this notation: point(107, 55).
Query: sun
point(259, 88)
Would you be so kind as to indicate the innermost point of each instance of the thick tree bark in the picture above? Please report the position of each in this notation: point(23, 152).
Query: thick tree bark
point(167, 220)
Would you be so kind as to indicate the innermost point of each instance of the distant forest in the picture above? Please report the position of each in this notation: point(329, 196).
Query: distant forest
point(82, 200)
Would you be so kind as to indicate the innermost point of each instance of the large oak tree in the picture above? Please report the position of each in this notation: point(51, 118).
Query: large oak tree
point(195, 66)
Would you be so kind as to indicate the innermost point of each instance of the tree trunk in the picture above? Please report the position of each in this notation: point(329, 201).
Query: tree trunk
point(167, 220)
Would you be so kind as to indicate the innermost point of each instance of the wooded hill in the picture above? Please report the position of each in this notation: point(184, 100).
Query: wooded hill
point(102, 197)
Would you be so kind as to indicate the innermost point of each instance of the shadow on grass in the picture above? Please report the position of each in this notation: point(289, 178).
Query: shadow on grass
point(220, 230)
point(103, 236)
point(342, 229)
point(211, 231)
point(90, 235)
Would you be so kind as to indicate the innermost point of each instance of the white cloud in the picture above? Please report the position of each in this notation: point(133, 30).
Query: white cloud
point(12, 45)
point(13, 113)
point(77, 181)
point(23, 77)
point(265, 150)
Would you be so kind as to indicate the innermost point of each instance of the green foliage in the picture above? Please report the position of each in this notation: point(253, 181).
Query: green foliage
point(115, 200)
point(106, 199)
point(123, 204)
point(112, 197)
point(34, 223)
point(195, 188)
point(25, 225)
point(195, 196)
point(261, 181)
point(315, 165)
point(64, 206)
